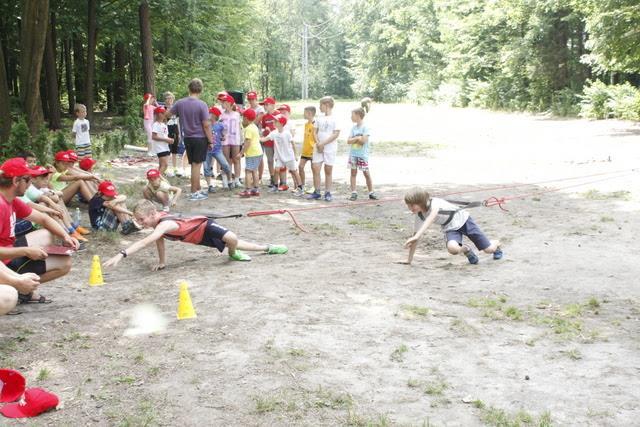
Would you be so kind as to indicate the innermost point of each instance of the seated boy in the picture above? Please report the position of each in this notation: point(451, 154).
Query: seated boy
point(107, 210)
point(159, 190)
point(198, 230)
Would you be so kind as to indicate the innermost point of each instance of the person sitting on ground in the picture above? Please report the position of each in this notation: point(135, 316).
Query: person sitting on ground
point(27, 254)
point(68, 183)
point(159, 190)
point(77, 170)
point(455, 223)
point(87, 164)
point(107, 210)
point(198, 230)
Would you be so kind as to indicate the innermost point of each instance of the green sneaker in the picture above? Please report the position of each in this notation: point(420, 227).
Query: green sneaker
point(240, 256)
point(277, 249)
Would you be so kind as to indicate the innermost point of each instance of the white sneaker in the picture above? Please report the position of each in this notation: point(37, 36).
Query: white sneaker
point(197, 196)
point(169, 174)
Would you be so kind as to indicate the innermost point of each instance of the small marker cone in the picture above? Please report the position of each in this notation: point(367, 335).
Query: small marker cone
point(95, 278)
point(185, 308)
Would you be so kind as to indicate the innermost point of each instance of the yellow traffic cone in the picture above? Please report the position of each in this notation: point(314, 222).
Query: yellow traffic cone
point(95, 277)
point(185, 308)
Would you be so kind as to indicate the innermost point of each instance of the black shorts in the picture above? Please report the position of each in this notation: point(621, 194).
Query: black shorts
point(213, 235)
point(25, 264)
point(196, 149)
point(306, 158)
point(163, 154)
point(173, 133)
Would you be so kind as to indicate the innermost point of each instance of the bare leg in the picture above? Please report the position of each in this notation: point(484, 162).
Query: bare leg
point(296, 178)
point(195, 176)
point(8, 298)
point(367, 177)
point(301, 166)
point(315, 168)
point(354, 174)
point(328, 178)
point(57, 266)
point(237, 167)
point(163, 164)
point(495, 244)
point(454, 248)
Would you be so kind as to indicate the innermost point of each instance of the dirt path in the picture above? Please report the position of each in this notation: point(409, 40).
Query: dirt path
point(335, 333)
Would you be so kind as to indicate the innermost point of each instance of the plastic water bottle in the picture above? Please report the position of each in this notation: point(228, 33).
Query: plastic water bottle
point(77, 216)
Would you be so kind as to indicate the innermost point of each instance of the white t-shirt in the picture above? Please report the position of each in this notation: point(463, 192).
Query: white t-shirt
point(161, 130)
point(282, 145)
point(326, 125)
point(81, 128)
point(459, 218)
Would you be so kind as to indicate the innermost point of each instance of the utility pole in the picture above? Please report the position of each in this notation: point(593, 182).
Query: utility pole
point(304, 78)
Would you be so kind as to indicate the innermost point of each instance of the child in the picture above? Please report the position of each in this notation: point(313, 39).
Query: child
point(87, 164)
point(81, 131)
point(160, 137)
point(252, 97)
point(285, 154)
point(359, 153)
point(325, 149)
point(149, 104)
point(173, 126)
point(159, 190)
point(233, 136)
point(67, 183)
point(455, 223)
point(198, 230)
point(215, 152)
point(308, 142)
point(107, 210)
point(252, 150)
point(267, 125)
point(285, 110)
point(93, 180)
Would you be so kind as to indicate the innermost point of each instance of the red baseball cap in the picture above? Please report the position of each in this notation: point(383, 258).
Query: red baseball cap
point(39, 171)
point(12, 385)
point(282, 120)
point(36, 401)
point(159, 110)
point(228, 98)
point(73, 155)
point(249, 114)
point(15, 167)
point(63, 156)
point(108, 189)
point(268, 100)
point(147, 96)
point(252, 95)
point(153, 173)
point(284, 107)
point(87, 163)
point(215, 111)
point(222, 95)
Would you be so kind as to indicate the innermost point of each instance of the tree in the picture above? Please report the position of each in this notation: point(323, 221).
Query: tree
point(92, 34)
point(5, 112)
point(51, 74)
point(148, 77)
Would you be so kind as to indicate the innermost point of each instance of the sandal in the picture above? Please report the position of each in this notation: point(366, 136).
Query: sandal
point(28, 299)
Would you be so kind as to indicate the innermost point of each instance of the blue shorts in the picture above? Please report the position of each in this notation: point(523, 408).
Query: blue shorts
point(213, 235)
point(252, 163)
point(472, 231)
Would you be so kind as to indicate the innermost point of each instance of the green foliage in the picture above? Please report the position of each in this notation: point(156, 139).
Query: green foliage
point(601, 101)
point(60, 142)
point(19, 139)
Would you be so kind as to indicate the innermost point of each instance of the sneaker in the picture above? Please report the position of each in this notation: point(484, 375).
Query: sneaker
point(327, 196)
point(80, 229)
point(197, 196)
point(310, 190)
point(219, 177)
point(177, 173)
point(299, 192)
point(354, 196)
point(232, 185)
point(313, 196)
point(273, 189)
point(211, 189)
point(283, 187)
point(245, 193)
point(129, 227)
point(472, 257)
point(255, 193)
point(79, 237)
point(169, 174)
point(373, 196)
point(240, 256)
point(277, 249)
point(498, 253)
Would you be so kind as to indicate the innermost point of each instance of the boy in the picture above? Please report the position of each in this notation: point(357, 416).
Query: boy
point(267, 125)
point(252, 150)
point(309, 140)
point(285, 154)
point(159, 190)
point(107, 210)
point(198, 230)
point(252, 97)
point(215, 152)
point(455, 223)
point(325, 149)
point(87, 164)
point(160, 138)
point(359, 153)
point(81, 131)
point(232, 141)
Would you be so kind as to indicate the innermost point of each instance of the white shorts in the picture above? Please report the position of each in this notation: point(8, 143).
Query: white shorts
point(291, 165)
point(328, 156)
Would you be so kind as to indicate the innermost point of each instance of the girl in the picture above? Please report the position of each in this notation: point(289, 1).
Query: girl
point(161, 140)
point(233, 137)
point(67, 183)
point(148, 106)
point(455, 223)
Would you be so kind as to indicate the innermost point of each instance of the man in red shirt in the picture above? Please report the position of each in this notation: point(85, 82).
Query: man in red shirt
point(28, 263)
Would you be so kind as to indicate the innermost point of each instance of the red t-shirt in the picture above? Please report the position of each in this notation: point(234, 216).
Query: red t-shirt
point(8, 214)
point(268, 126)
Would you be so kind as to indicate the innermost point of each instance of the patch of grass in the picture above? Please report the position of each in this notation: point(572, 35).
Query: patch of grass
point(144, 416)
point(593, 303)
point(436, 388)
point(572, 310)
point(356, 420)
point(415, 310)
point(413, 383)
point(296, 352)
point(106, 237)
point(368, 223)
point(478, 404)
point(400, 148)
point(326, 229)
point(513, 313)
point(573, 354)
point(462, 327)
point(325, 398)
point(43, 374)
point(153, 371)
point(615, 195)
point(398, 354)
point(139, 359)
point(125, 380)
point(271, 404)
point(606, 219)
point(500, 418)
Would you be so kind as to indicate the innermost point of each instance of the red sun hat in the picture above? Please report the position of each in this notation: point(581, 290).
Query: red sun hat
point(159, 110)
point(249, 114)
point(39, 171)
point(268, 100)
point(87, 163)
point(215, 111)
point(108, 189)
point(222, 95)
point(63, 156)
point(73, 155)
point(36, 401)
point(15, 167)
point(153, 174)
point(12, 385)
point(284, 107)
point(252, 95)
point(282, 120)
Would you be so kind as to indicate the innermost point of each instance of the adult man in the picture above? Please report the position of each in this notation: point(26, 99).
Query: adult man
point(25, 255)
point(196, 127)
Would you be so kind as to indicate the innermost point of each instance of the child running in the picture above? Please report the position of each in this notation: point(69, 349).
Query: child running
point(198, 230)
point(455, 223)
point(159, 190)
point(359, 153)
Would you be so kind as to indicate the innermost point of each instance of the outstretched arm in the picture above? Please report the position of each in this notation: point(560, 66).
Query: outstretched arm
point(157, 234)
point(427, 222)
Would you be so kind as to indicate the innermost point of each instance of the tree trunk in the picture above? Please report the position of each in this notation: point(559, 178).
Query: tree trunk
point(78, 67)
point(120, 84)
point(51, 74)
point(5, 108)
point(68, 75)
point(107, 68)
point(92, 33)
point(35, 17)
point(146, 47)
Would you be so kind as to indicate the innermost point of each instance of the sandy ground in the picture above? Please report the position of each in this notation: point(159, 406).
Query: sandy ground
point(336, 333)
